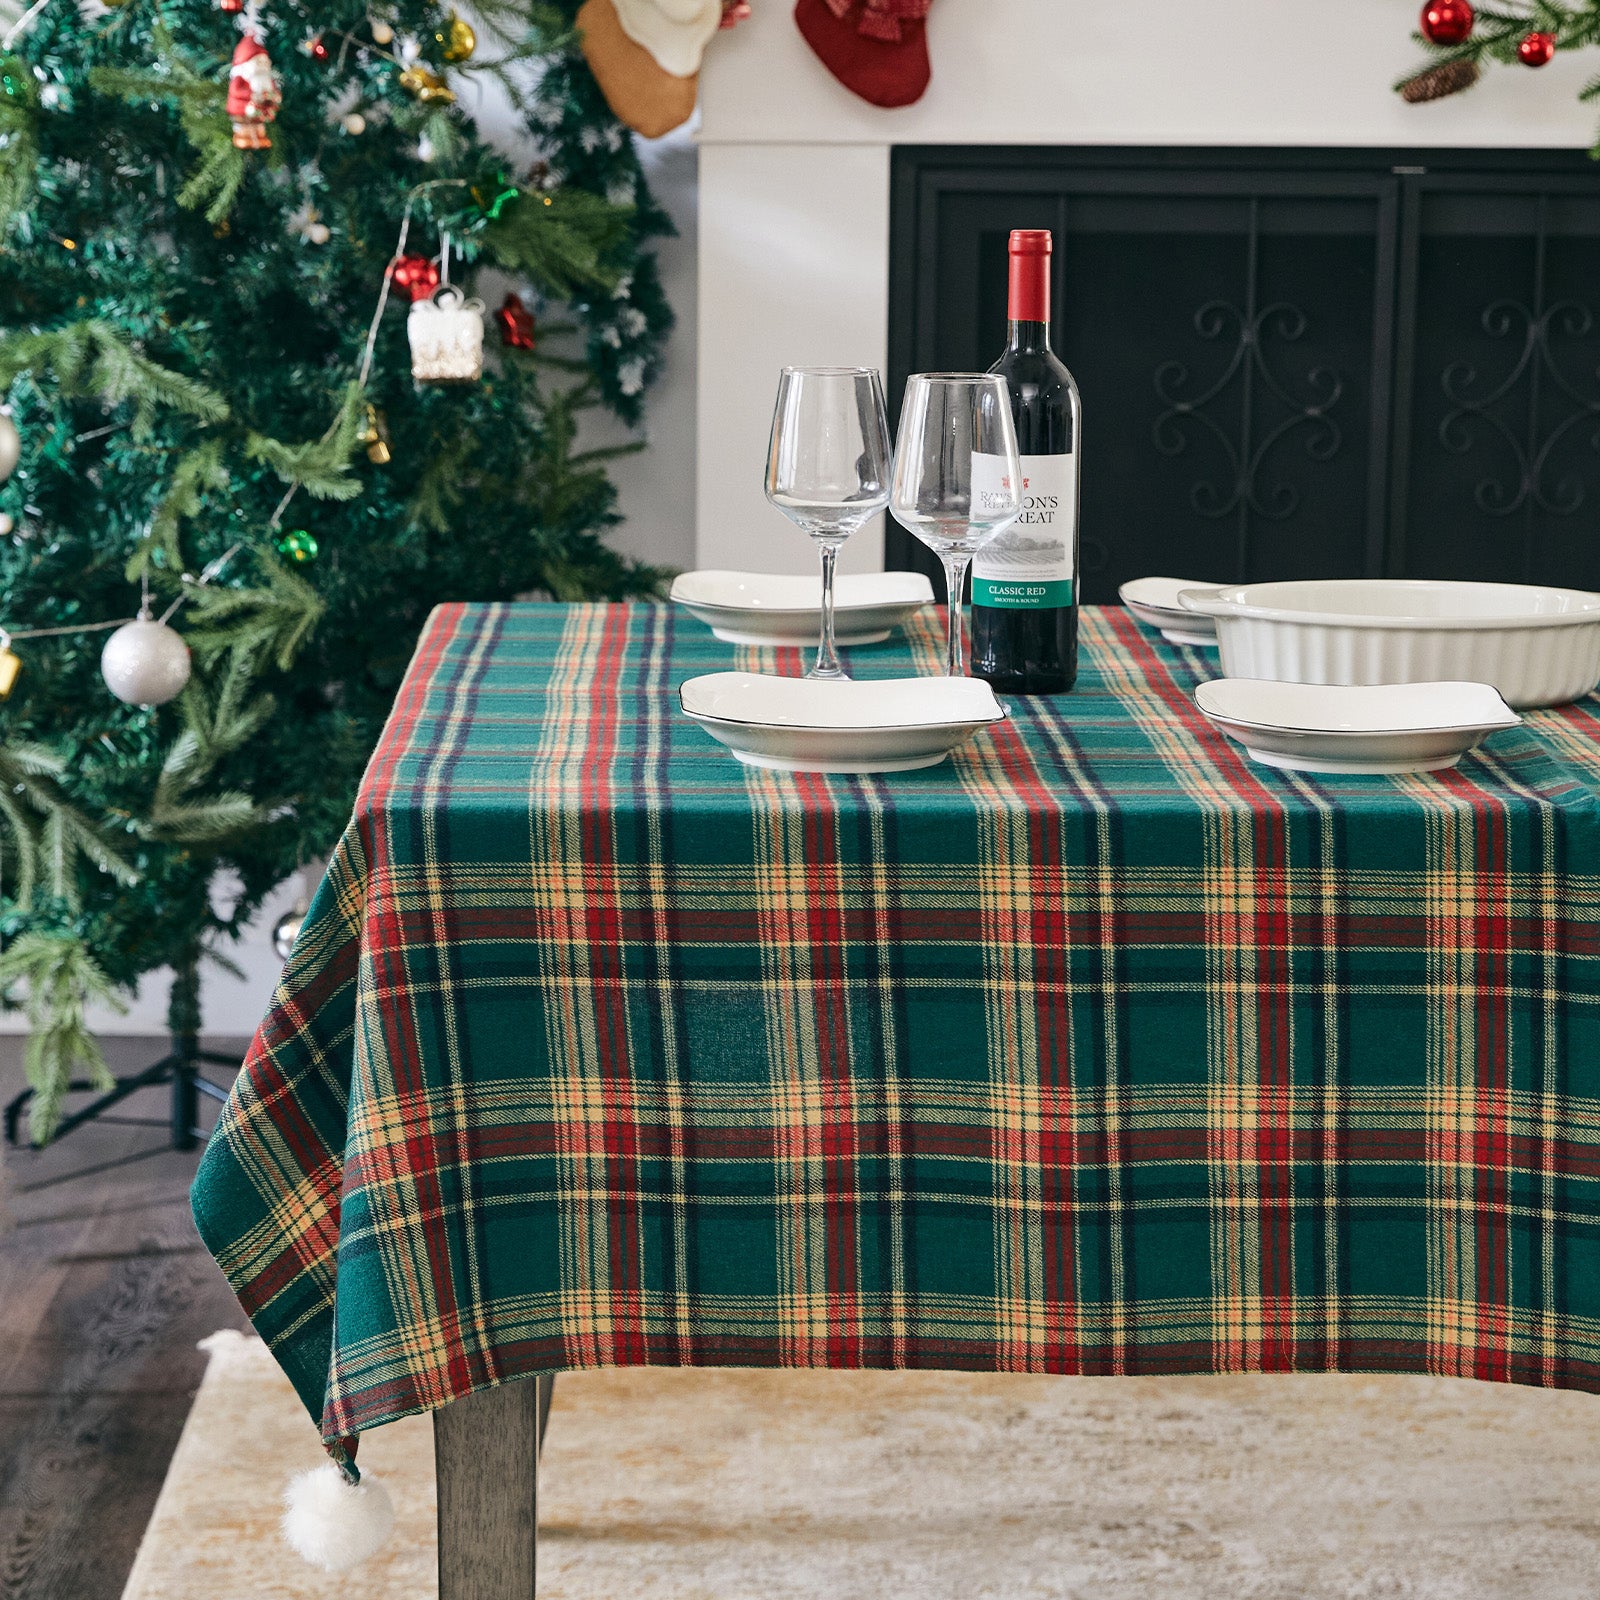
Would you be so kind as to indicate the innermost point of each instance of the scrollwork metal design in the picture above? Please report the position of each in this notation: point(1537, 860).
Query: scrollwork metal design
point(1536, 366)
point(1246, 456)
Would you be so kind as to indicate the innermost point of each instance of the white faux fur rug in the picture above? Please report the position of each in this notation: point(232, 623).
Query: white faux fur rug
point(663, 1485)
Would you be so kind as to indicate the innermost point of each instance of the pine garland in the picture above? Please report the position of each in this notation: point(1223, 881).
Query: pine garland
point(1498, 33)
point(185, 368)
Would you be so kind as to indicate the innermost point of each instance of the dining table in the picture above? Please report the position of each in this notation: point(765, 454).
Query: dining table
point(1097, 1048)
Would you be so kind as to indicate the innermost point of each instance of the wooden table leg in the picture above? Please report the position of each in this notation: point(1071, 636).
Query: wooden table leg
point(486, 1454)
point(547, 1393)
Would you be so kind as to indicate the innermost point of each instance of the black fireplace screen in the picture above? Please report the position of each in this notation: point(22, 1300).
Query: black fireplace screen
point(1293, 363)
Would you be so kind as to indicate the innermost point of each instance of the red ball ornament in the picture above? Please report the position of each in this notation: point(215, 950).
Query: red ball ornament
point(317, 48)
point(1446, 21)
point(516, 323)
point(1536, 49)
point(417, 275)
point(230, 5)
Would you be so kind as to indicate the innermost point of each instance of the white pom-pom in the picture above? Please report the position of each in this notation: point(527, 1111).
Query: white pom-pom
point(336, 1525)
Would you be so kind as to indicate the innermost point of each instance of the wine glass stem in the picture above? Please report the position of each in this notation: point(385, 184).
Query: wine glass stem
point(827, 665)
point(955, 573)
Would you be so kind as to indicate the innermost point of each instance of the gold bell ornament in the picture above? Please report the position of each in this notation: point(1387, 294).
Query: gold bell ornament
point(427, 85)
point(375, 436)
point(456, 40)
point(10, 666)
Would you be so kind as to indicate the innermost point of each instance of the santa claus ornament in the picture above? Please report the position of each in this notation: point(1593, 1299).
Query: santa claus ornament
point(446, 334)
point(253, 95)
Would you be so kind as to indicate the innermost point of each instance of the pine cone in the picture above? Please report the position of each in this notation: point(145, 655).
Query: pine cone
point(1434, 83)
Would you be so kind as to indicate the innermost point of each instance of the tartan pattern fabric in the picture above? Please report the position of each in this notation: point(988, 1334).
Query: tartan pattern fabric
point(1096, 1049)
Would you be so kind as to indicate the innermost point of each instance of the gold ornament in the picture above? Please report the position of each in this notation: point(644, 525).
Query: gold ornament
point(10, 666)
point(382, 33)
point(427, 86)
point(456, 39)
point(375, 436)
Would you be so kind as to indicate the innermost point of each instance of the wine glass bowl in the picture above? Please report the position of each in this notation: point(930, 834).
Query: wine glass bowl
point(957, 475)
point(828, 466)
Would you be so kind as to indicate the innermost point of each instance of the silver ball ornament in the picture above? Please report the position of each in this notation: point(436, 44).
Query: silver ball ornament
point(10, 446)
point(354, 123)
point(285, 931)
point(145, 663)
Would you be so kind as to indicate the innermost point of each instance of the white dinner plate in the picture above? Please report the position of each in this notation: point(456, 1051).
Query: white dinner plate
point(769, 608)
point(1381, 727)
point(1154, 601)
point(842, 725)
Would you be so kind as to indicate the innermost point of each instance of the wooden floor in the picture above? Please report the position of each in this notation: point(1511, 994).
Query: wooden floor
point(104, 1290)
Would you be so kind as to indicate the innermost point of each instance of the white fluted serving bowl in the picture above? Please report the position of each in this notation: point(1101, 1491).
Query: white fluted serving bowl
point(1538, 646)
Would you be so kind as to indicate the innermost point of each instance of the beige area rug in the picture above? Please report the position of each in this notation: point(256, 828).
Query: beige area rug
point(661, 1485)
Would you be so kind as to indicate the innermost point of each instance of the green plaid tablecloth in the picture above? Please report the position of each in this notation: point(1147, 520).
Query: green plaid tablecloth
point(1096, 1049)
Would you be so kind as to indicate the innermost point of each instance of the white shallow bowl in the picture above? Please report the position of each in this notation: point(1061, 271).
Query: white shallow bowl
point(766, 608)
point(849, 725)
point(1386, 727)
point(1537, 646)
point(1154, 601)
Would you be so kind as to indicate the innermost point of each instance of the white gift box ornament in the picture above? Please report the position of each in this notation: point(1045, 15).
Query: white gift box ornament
point(446, 333)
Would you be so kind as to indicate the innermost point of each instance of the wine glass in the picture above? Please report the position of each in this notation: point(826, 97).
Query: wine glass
point(957, 476)
point(828, 468)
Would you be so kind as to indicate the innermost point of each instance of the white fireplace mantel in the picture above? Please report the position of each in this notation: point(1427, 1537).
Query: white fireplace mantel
point(794, 170)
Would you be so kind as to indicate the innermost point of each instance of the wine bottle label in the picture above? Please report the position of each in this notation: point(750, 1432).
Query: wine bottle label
point(1029, 563)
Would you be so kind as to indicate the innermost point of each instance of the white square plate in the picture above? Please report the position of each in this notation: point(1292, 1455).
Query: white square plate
point(770, 608)
point(845, 725)
point(1382, 727)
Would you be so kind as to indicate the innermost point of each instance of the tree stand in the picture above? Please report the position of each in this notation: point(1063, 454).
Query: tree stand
point(180, 1067)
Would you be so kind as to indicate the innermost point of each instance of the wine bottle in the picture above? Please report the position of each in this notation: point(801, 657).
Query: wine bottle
point(1024, 580)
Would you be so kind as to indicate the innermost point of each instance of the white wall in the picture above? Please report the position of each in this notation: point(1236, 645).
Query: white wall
point(656, 488)
point(1162, 72)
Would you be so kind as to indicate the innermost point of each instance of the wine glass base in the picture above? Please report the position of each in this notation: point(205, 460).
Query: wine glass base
point(837, 675)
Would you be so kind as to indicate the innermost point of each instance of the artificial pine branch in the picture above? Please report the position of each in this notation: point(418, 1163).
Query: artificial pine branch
point(34, 800)
point(201, 106)
point(322, 466)
point(277, 619)
point(63, 980)
point(92, 359)
point(19, 136)
point(563, 239)
point(201, 469)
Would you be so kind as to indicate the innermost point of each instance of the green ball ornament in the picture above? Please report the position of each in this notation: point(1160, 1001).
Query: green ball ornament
point(298, 546)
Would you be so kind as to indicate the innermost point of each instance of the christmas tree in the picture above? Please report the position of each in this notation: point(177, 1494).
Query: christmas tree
point(222, 224)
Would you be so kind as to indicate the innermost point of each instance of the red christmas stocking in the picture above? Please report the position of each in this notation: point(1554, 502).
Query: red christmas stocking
point(875, 48)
